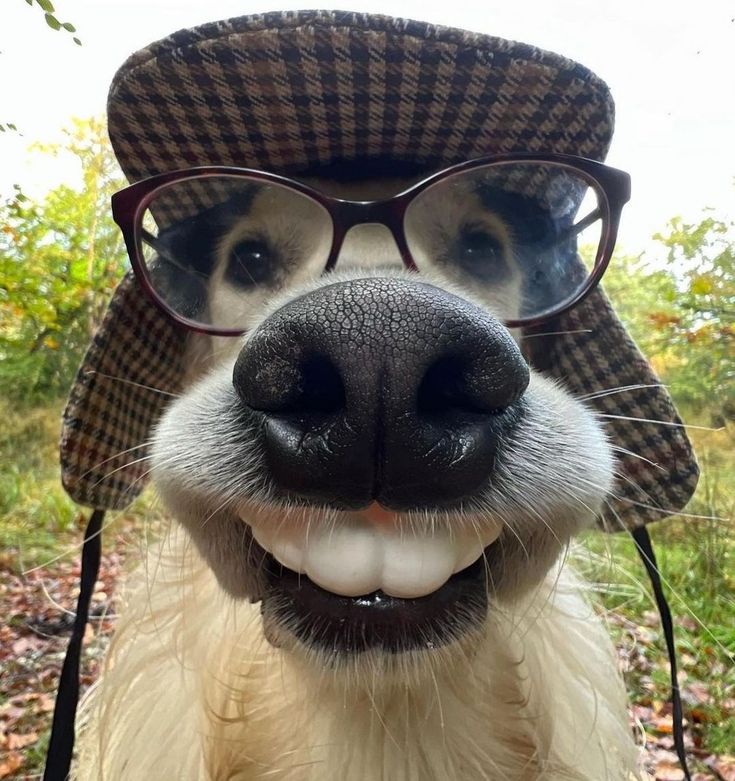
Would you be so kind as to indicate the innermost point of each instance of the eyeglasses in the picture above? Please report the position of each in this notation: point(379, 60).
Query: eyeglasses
point(528, 234)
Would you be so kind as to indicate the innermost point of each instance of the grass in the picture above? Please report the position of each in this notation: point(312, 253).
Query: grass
point(696, 558)
point(701, 600)
point(35, 513)
point(38, 522)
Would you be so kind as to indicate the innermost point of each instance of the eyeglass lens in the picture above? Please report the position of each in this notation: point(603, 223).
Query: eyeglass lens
point(522, 237)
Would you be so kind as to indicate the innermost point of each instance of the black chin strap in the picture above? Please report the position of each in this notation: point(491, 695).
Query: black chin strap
point(61, 744)
point(645, 550)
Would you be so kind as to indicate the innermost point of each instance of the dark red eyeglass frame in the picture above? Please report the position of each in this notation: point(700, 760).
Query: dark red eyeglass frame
point(611, 184)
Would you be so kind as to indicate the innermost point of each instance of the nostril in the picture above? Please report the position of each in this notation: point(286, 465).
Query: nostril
point(321, 389)
point(288, 381)
point(447, 386)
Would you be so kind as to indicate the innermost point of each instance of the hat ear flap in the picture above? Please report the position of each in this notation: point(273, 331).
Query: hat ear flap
point(594, 358)
point(130, 372)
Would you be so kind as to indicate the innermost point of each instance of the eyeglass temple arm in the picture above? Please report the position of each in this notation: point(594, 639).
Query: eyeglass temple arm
point(150, 240)
point(162, 252)
point(573, 230)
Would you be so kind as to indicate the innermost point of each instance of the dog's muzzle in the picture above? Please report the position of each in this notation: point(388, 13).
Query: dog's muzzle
point(381, 390)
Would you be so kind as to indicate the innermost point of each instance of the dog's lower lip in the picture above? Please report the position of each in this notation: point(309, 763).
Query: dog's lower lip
point(340, 624)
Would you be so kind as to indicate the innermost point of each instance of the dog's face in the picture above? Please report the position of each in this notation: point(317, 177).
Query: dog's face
point(374, 460)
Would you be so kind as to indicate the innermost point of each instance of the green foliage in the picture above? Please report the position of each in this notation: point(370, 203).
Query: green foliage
point(682, 314)
point(680, 309)
point(38, 521)
point(697, 560)
point(49, 15)
point(59, 261)
point(34, 509)
point(702, 257)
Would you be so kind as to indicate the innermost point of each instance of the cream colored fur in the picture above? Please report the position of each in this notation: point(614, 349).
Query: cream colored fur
point(192, 690)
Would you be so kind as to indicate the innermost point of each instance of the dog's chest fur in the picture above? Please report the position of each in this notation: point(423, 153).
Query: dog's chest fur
point(537, 698)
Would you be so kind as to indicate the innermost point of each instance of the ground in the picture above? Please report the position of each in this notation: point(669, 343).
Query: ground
point(39, 605)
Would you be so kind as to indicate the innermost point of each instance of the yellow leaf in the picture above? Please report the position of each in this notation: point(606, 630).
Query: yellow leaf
point(702, 285)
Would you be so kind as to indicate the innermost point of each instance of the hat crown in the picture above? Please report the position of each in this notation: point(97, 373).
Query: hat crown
point(291, 92)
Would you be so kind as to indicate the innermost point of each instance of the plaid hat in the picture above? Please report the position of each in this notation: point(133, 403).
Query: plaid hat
point(295, 92)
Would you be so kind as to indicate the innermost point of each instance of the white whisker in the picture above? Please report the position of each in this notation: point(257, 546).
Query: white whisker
point(659, 422)
point(91, 469)
point(670, 511)
point(558, 333)
point(729, 654)
point(618, 449)
point(72, 549)
point(125, 381)
point(120, 468)
point(622, 389)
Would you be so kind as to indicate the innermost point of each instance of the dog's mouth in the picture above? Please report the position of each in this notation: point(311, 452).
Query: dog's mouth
point(367, 582)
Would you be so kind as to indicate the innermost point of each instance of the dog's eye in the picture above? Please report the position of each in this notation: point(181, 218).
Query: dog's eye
point(480, 254)
point(250, 263)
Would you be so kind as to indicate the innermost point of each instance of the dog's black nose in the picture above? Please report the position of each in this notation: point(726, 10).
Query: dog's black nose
point(381, 389)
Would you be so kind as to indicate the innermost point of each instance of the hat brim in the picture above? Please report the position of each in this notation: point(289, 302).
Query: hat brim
point(293, 92)
point(299, 92)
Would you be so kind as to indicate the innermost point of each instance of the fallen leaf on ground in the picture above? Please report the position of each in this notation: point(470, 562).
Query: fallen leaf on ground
point(724, 766)
point(10, 764)
point(15, 741)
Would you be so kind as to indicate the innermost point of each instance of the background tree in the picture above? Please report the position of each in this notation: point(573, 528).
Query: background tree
point(59, 261)
point(681, 311)
point(49, 15)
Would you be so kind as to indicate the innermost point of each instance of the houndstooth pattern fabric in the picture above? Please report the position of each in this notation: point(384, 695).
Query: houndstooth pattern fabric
point(656, 471)
point(290, 92)
point(131, 367)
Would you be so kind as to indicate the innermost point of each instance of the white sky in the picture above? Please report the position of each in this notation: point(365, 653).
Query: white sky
point(670, 65)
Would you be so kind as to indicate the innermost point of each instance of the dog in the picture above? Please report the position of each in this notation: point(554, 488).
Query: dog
point(373, 486)
point(461, 692)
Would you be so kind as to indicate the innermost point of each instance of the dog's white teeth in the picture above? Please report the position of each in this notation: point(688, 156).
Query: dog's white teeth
point(345, 560)
point(413, 567)
point(358, 556)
